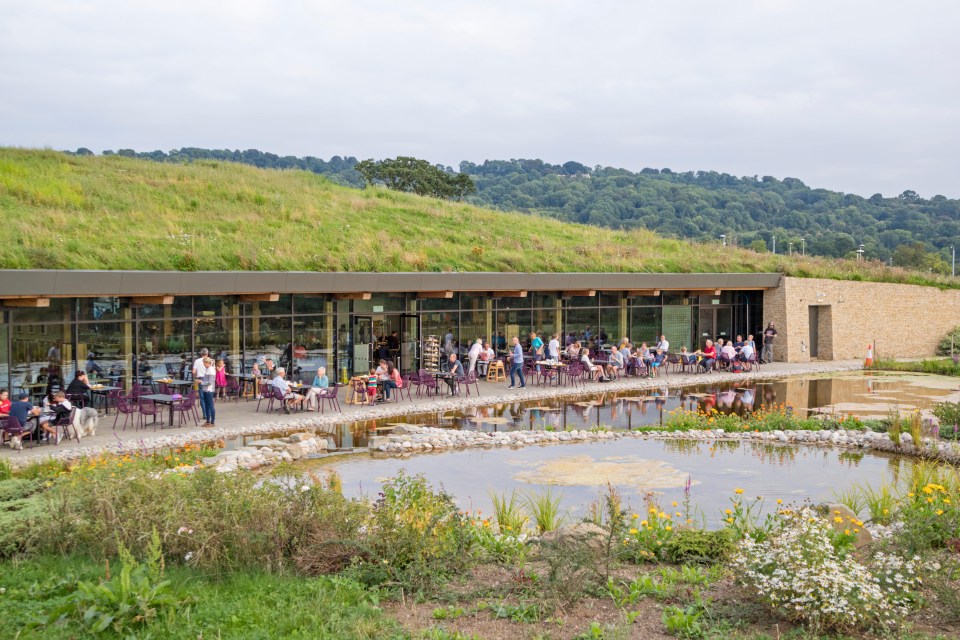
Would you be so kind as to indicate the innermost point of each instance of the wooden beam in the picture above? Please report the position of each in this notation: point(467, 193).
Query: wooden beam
point(359, 295)
point(589, 293)
point(704, 292)
point(509, 294)
point(434, 294)
point(259, 297)
point(151, 300)
point(636, 293)
point(36, 303)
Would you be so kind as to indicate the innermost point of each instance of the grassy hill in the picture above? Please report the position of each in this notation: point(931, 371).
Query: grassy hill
point(77, 212)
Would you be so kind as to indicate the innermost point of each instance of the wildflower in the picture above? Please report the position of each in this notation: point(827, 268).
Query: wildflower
point(730, 520)
point(673, 504)
point(634, 532)
point(304, 488)
point(779, 501)
point(838, 519)
point(634, 516)
point(643, 523)
point(188, 556)
point(939, 512)
point(728, 512)
point(668, 528)
point(846, 532)
point(738, 491)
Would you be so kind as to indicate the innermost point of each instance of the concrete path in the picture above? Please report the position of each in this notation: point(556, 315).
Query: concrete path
point(236, 418)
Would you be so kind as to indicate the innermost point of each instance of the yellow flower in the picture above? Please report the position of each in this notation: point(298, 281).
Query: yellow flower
point(846, 532)
point(634, 532)
point(728, 512)
point(673, 504)
point(643, 523)
point(634, 516)
point(927, 489)
point(910, 494)
point(669, 528)
point(929, 499)
point(838, 519)
point(779, 501)
point(886, 511)
point(730, 520)
point(738, 491)
point(946, 501)
point(678, 514)
point(939, 512)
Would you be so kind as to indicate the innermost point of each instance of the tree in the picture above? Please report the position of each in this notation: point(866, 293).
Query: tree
point(917, 256)
point(758, 245)
point(416, 176)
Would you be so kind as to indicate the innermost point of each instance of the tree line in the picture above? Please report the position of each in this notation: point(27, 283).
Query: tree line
point(702, 205)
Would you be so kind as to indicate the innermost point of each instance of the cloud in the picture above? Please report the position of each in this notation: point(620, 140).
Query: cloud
point(856, 96)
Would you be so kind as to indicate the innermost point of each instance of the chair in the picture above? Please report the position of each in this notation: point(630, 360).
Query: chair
point(127, 407)
point(233, 388)
point(469, 379)
point(147, 408)
point(688, 362)
point(266, 393)
point(496, 372)
point(65, 422)
point(135, 391)
point(408, 381)
point(430, 383)
point(753, 361)
point(674, 361)
point(13, 429)
point(77, 399)
point(329, 395)
point(186, 406)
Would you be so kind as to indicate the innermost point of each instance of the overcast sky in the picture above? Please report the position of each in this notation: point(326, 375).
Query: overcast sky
point(862, 97)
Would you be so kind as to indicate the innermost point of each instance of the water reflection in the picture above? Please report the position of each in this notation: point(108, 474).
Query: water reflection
point(865, 395)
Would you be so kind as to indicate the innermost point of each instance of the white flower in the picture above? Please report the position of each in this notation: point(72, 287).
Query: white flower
point(188, 557)
point(305, 487)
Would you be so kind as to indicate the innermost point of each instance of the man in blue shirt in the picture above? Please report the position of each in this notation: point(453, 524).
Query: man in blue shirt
point(22, 410)
point(516, 366)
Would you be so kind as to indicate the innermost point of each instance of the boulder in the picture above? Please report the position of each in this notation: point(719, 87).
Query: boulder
point(301, 437)
point(848, 521)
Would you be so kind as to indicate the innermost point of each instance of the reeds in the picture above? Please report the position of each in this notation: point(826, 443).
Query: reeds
point(545, 510)
point(508, 513)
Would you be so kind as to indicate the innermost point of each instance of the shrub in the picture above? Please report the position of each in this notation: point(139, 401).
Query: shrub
point(697, 545)
point(545, 510)
point(799, 572)
point(948, 413)
point(928, 519)
point(952, 339)
point(416, 535)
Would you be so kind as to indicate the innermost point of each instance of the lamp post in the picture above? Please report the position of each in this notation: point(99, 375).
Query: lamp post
point(953, 261)
point(790, 248)
point(723, 238)
point(860, 253)
point(803, 246)
point(774, 245)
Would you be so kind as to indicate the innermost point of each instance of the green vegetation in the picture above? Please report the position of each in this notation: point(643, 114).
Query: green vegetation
point(412, 175)
point(939, 366)
point(914, 231)
point(82, 212)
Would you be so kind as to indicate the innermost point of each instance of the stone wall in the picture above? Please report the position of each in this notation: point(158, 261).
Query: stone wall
point(901, 319)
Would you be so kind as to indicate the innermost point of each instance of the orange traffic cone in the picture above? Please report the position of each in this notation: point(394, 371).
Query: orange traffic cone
point(869, 361)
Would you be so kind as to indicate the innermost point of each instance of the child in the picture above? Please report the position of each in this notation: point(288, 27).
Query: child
point(372, 385)
point(221, 378)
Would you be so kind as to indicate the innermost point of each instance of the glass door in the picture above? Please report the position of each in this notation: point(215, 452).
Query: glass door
point(408, 359)
point(363, 344)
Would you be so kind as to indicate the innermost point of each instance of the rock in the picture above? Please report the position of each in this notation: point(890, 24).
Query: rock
point(301, 437)
point(295, 450)
point(580, 532)
point(848, 522)
point(273, 443)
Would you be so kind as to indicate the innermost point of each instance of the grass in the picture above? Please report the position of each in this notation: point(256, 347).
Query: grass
point(241, 605)
point(939, 366)
point(72, 212)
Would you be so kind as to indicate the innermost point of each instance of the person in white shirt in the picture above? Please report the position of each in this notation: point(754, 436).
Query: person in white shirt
point(487, 355)
point(280, 383)
point(595, 370)
point(728, 352)
point(199, 370)
point(747, 351)
point(664, 345)
point(553, 348)
point(474, 354)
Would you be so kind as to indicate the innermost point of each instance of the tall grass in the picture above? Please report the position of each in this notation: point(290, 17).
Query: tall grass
point(508, 512)
point(74, 212)
point(939, 366)
point(896, 425)
point(545, 510)
point(915, 425)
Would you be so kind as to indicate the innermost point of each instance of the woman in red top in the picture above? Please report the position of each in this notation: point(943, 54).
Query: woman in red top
point(708, 356)
point(4, 403)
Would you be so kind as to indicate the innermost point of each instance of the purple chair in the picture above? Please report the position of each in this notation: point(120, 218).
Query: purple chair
point(126, 407)
point(429, 383)
point(329, 395)
point(148, 408)
point(470, 379)
point(13, 429)
point(187, 407)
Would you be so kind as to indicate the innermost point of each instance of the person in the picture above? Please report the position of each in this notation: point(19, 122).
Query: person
point(738, 343)
point(393, 342)
point(536, 346)
point(474, 353)
point(769, 335)
point(573, 351)
point(448, 341)
point(198, 371)
point(614, 362)
point(664, 345)
point(746, 353)
point(57, 408)
point(728, 353)
point(708, 355)
point(79, 386)
point(393, 380)
point(221, 378)
point(23, 411)
point(595, 370)
point(92, 366)
point(553, 348)
point(501, 341)
point(269, 369)
point(5, 403)
point(749, 341)
point(280, 383)
point(455, 368)
point(382, 369)
point(320, 383)
point(516, 364)
point(208, 388)
point(487, 355)
point(372, 381)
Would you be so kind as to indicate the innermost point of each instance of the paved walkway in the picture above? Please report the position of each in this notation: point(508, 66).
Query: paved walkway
point(235, 418)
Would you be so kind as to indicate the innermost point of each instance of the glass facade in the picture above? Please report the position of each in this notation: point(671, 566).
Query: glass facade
point(113, 338)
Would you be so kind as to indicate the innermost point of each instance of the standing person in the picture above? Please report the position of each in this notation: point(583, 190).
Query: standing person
point(474, 354)
point(221, 379)
point(769, 335)
point(664, 345)
point(516, 363)
point(198, 371)
point(208, 387)
point(553, 348)
point(536, 346)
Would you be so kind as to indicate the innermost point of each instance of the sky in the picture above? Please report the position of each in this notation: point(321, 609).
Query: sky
point(860, 97)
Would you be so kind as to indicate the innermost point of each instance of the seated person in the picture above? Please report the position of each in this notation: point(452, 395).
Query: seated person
point(5, 403)
point(79, 385)
point(596, 371)
point(746, 353)
point(455, 368)
point(280, 383)
point(320, 383)
point(57, 409)
point(23, 411)
point(487, 355)
point(573, 351)
point(614, 363)
point(708, 356)
point(738, 343)
point(728, 353)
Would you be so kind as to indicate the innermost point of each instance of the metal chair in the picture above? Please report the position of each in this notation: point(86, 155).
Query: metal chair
point(470, 379)
point(186, 407)
point(329, 395)
point(12, 428)
point(147, 408)
point(127, 407)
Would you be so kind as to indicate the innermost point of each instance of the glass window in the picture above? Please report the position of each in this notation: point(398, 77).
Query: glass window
point(582, 301)
point(645, 325)
point(42, 356)
point(503, 304)
point(164, 347)
point(612, 327)
point(439, 304)
point(677, 321)
point(105, 350)
point(544, 299)
point(313, 346)
point(675, 298)
point(545, 322)
point(182, 307)
point(382, 303)
point(582, 323)
point(610, 299)
point(268, 337)
point(210, 306)
point(100, 308)
point(223, 337)
point(279, 308)
point(645, 301)
point(311, 304)
point(514, 323)
point(445, 327)
point(60, 310)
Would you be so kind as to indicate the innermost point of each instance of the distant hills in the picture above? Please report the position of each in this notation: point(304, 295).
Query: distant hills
point(749, 211)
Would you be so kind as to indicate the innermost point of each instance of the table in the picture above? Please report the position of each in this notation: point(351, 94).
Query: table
point(162, 398)
point(444, 375)
point(103, 390)
point(245, 378)
point(556, 366)
point(174, 383)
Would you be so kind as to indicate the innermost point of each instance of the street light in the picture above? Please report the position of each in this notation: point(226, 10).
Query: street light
point(953, 261)
point(790, 248)
point(860, 253)
point(723, 238)
point(803, 246)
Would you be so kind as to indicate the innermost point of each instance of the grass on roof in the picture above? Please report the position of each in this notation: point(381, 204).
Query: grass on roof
point(70, 212)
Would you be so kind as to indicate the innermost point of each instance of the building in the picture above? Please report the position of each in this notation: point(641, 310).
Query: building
point(142, 323)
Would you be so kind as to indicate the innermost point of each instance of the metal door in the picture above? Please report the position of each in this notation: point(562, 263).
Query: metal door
point(814, 331)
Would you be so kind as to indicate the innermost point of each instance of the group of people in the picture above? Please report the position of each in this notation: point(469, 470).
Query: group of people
point(54, 409)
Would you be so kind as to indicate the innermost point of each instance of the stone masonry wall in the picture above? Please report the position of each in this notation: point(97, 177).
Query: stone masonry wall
point(904, 320)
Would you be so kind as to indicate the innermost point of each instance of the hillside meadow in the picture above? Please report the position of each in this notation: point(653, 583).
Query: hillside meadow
point(73, 212)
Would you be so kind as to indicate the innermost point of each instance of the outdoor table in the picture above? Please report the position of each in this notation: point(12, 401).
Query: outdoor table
point(555, 366)
point(246, 378)
point(444, 375)
point(162, 398)
point(102, 390)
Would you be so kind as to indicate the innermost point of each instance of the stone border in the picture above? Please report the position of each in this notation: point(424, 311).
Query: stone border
point(447, 404)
